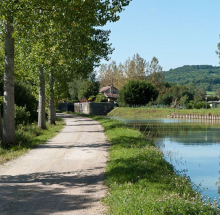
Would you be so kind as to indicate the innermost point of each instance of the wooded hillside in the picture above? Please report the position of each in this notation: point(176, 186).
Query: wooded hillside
point(202, 76)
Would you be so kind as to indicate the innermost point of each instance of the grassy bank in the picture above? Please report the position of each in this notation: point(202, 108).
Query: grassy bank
point(28, 137)
point(140, 181)
point(158, 112)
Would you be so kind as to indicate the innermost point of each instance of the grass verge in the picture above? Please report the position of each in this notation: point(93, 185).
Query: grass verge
point(158, 112)
point(140, 181)
point(28, 137)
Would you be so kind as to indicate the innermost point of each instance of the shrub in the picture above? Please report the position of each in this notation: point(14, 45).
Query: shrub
point(197, 105)
point(200, 105)
point(137, 92)
point(101, 98)
point(24, 97)
point(21, 115)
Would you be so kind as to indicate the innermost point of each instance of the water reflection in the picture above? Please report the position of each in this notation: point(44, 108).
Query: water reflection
point(188, 145)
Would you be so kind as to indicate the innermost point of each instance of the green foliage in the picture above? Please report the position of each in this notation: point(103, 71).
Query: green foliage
point(1, 101)
point(172, 92)
point(184, 100)
point(137, 92)
point(101, 98)
point(165, 99)
point(22, 116)
point(201, 76)
point(84, 88)
point(24, 98)
point(199, 95)
point(212, 98)
point(198, 105)
point(73, 88)
point(87, 89)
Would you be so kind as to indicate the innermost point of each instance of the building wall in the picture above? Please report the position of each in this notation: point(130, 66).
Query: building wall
point(112, 90)
point(102, 108)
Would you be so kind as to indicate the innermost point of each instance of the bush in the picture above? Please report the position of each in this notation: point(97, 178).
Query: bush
point(138, 93)
point(198, 105)
point(165, 99)
point(101, 98)
point(24, 97)
point(21, 115)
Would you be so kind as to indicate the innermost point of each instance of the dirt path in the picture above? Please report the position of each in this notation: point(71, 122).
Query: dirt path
point(64, 176)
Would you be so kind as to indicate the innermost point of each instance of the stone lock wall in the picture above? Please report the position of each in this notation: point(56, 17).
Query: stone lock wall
point(102, 108)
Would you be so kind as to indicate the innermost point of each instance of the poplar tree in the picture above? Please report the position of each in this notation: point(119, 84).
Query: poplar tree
point(20, 17)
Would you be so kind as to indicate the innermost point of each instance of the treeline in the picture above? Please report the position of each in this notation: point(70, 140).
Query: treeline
point(206, 77)
point(43, 46)
point(136, 77)
point(135, 68)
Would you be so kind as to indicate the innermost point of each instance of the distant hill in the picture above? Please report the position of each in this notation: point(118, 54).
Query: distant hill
point(202, 76)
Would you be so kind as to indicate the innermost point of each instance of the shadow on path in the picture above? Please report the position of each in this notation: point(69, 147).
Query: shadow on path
point(46, 193)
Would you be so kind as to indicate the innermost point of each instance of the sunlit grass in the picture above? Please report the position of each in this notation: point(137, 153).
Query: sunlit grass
point(28, 137)
point(140, 181)
point(210, 93)
point(158, 112)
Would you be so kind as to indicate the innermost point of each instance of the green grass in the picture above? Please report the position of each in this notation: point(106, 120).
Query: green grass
point(140, 181)
point(28, 137)
point(158, 112)
point(210, 93)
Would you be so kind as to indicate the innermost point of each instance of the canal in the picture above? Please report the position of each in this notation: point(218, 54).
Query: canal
point(191, 146)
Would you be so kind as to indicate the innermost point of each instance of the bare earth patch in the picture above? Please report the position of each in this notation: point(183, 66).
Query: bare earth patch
point(64, 176)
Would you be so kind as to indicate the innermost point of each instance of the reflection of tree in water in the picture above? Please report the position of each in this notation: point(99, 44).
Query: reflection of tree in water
point(219, 182)
point(183, 133)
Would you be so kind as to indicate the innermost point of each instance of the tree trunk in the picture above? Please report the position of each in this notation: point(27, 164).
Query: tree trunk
point(41, 104)
point(8, 114)
point(52, 111)
point(0, 125)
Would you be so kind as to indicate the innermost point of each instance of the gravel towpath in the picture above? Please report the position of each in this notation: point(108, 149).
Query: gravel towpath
point(64, 176)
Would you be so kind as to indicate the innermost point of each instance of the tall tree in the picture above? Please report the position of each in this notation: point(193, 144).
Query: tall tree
point(135, 68)
point(38, 15)
point(52, 111)
point(8, 114)
point(0, 123)
point(155, 75)
point(41, 106)
point(112, 75)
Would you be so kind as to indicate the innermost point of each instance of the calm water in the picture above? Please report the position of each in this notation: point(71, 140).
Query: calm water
point(189, 146)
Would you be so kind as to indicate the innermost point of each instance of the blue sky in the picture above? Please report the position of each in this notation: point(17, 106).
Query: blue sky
point(177, 32)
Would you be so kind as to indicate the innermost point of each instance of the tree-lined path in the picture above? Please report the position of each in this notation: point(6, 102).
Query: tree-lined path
point(64, 176)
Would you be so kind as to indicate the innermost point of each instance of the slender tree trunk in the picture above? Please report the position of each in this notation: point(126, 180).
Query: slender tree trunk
point(41, 104)
point(52, 111)
point(0, 125)
point(8, 114)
